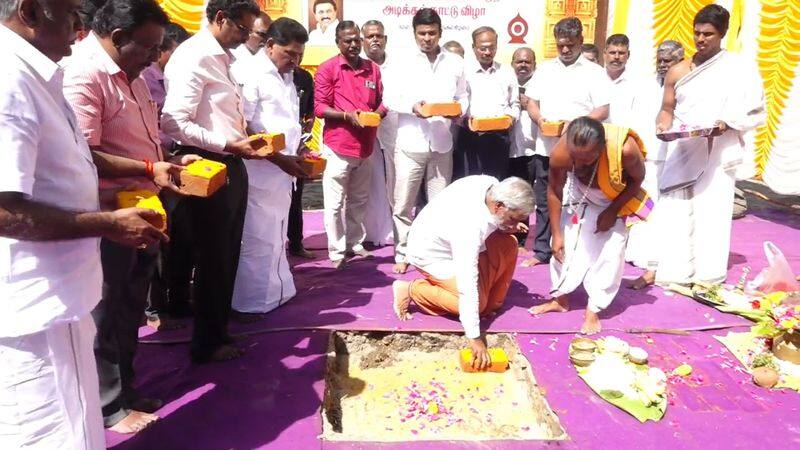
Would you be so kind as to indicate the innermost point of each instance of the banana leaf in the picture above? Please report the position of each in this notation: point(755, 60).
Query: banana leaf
point(701, 294)
point(632, 406)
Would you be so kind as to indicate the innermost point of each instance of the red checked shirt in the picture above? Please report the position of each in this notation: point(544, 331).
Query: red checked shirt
point(339, 86)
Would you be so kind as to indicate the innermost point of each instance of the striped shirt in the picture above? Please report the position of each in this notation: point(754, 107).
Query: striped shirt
point(114, 113)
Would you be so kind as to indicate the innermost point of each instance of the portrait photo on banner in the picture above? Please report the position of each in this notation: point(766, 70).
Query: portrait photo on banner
point(321, 18)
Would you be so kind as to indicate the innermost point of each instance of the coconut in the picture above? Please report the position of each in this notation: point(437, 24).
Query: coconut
point(765, 377)
point(616, 345)
point(583, 345)
point(581, 358)
point(637, 355)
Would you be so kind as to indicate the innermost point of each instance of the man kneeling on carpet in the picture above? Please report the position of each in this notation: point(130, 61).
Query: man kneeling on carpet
point(602, 167)
point(462, 242)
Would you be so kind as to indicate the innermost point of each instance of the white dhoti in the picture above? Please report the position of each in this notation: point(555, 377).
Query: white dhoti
point(49, 393)
point(694, 228)
point(264, 280)
point(596, 260)
point(378, 220)
point(642, 247)
point(698, 178)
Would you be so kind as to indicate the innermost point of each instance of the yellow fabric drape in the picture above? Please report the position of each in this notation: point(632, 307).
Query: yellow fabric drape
point(610, 177)
point(733, 43)
point(186, 13)
point(778, 58)
point(672, 19)
point(621, 8)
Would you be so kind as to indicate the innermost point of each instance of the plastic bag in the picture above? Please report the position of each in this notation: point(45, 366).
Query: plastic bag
point(777, 276)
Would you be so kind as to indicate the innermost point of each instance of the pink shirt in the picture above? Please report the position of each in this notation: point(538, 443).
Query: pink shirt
point(115, 115)
point(339, 86)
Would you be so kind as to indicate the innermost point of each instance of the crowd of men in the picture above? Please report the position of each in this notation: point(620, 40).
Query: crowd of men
point(136, 99)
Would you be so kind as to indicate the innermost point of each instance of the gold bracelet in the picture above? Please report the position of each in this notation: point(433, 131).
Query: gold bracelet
point(344, 116)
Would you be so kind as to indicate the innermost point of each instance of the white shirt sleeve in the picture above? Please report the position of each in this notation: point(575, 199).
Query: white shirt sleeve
point(251, 103)
point(466, 250)
point(18, 140)
point(600, 89)
point(185, 87)
point(398, 95)
point(514, 107)
point(533, 91)
point(462, 95)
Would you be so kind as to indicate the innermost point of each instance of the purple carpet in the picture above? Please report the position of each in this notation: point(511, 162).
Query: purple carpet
point(270, 398)
point(359, 297)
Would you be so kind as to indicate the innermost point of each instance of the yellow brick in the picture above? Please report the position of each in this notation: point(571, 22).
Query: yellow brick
point(369, 119)
point(498, 356)
point(268, 143)
point(144, 199)
point(490, 123)
point(452, 109)
point(204, 177)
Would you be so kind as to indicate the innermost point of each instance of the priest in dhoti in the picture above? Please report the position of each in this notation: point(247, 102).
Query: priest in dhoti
point(713, 89)
point(594, 194)
point(463, 244)
point(263, 279)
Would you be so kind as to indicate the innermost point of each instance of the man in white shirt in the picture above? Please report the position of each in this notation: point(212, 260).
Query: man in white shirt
point(325, 13)
point(424, 146)
point(634, 103)
point(493, 92)
point(378, 223)
point(203, 113)
point(645, 235)
point(591, 53)
point(50, 228)
point(527, 161)
point(564, 89)
point(263, 279)
point(462, 243)
point(454, 47)
point(668, 54)
point(257, 39)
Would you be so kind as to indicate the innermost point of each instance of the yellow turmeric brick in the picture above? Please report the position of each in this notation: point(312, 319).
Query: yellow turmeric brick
point(498, 356)
point(144, 199)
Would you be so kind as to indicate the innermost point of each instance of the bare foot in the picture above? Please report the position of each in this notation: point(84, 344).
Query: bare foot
point(400, 268)
point(148, 405)
point(559, 304)
point(134, 422)
point(591, 324)
point(531, 262)
point(242, 317)
point(401, 300)
point(163, 324)
point(225, 353)
point(643, 281)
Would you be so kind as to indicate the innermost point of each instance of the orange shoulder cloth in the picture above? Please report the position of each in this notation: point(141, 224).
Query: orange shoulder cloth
point(611, 178)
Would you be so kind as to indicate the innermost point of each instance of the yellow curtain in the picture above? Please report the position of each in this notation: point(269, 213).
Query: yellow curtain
point(673, 20)
point(186, 13)
point(778, 58)
point(621, 8)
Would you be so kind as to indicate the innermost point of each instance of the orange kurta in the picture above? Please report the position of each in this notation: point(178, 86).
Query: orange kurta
point(495, 268)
